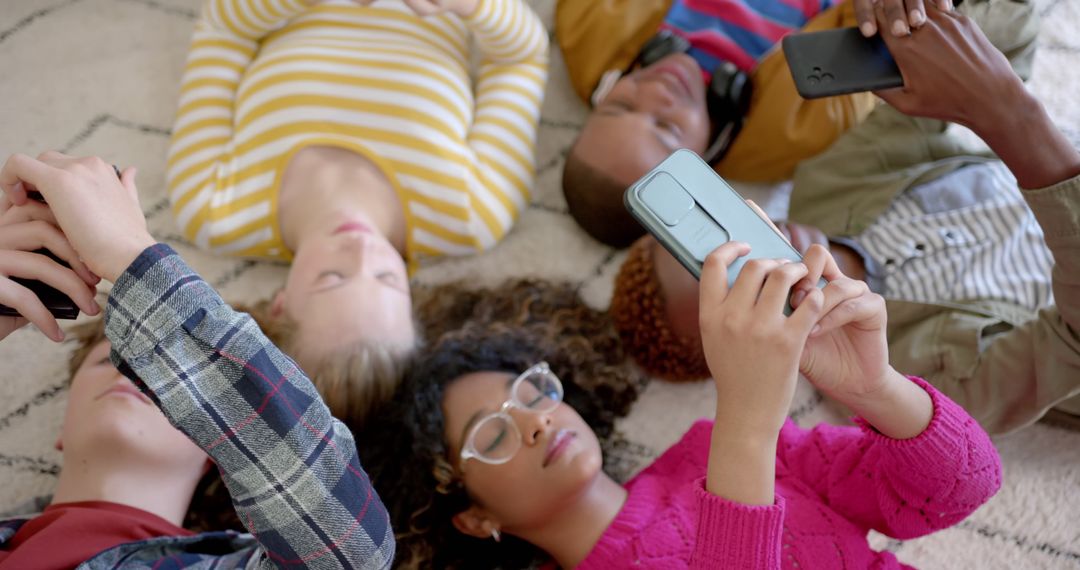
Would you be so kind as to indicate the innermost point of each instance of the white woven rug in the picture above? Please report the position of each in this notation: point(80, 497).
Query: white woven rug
point(100, 77)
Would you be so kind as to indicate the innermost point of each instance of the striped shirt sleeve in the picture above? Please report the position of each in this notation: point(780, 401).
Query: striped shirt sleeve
point(223, 45)
point(509, 91)
point(290, 467)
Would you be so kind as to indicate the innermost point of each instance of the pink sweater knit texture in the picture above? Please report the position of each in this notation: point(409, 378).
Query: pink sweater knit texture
point(833, 484)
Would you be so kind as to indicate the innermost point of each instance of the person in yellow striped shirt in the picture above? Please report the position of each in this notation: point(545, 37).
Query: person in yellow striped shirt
point(354, 138)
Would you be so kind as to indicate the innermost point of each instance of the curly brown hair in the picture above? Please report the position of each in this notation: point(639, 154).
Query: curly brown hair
point(211, 506)
point(638, 311)
point(507, 329)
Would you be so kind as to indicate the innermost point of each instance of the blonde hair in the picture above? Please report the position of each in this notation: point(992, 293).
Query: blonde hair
point(354, 379)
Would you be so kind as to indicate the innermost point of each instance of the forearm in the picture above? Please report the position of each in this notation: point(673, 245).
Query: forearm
point(742, 465)
point(1021, 133)
point(251, 19)
point(508, 31)
point(222, 383)
point(899, 410)
point(203, 129)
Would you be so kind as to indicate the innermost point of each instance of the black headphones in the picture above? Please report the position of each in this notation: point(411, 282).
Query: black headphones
point(727, 97)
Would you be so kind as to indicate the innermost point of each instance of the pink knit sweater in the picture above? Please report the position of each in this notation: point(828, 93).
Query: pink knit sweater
point(833, 484)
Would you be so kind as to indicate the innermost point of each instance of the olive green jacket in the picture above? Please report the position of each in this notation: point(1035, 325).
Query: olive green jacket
point(1006, 365)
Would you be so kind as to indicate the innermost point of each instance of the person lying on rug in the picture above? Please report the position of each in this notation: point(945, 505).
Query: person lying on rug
point(178, 385)
point(970, 253)
point(688, 87)
point(349, 139)
point(505, 469)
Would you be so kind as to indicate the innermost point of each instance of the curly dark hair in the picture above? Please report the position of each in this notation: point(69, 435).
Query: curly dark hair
point(506, 329)
point(211, 505)
point(638, 311)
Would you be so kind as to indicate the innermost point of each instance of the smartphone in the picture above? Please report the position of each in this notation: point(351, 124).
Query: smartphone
point(840, 61)
point(58, 303)
point(691, 211)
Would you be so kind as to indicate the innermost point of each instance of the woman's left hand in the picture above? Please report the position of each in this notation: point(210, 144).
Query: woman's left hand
point(847, 354)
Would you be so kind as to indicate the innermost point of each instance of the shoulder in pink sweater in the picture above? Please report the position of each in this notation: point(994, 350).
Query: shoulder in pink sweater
point(833, 484)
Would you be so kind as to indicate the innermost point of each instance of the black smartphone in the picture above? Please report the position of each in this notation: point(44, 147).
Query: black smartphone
point(58, 303)
point(840, 61)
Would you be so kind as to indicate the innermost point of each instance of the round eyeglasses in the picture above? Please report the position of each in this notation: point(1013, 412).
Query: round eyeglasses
point(495, 438)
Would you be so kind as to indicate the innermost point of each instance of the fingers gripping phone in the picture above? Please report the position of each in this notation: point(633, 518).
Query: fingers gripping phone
point(691, 211)
point(57, 302)
point(840, 61)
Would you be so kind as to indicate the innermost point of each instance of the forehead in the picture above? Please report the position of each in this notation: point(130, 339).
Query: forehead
point(623, 146)
point(471, 393)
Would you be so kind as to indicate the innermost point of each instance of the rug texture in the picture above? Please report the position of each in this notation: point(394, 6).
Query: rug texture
point(101, 77)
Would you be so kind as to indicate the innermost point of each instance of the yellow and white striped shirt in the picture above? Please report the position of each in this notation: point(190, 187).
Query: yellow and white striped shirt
point(266, 78)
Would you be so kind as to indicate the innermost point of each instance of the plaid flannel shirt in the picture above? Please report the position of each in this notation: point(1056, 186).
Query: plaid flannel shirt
point(291, 468)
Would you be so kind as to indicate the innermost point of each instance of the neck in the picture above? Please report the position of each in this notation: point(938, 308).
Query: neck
point(323, 187)
point(570, 536)
point(164, 492)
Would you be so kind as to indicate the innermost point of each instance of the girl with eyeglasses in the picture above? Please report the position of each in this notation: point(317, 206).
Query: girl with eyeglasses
point(489, 463)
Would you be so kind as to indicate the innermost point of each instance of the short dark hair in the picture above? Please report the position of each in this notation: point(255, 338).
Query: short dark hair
point(595, 201)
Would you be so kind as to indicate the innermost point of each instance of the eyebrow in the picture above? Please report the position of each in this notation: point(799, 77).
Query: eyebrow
point(480, 413)
point(620, 110)
point(341, 283)
point(664, 142)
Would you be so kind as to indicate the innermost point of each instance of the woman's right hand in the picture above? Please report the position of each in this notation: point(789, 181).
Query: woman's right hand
point(751, 347)
point(24, 229)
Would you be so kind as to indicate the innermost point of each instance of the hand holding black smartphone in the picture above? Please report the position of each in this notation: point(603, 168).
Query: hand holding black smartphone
point(57, 302)
point(840, 61)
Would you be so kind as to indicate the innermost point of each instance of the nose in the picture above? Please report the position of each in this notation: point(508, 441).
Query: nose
point(531, 425)
point(655, 95)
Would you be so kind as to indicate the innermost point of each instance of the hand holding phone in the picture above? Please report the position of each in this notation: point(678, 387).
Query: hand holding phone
point(41, 276)
point(98, 213)
point(691, 211)
point(840, 61)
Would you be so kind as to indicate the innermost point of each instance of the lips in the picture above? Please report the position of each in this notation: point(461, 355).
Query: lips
point(125, 388)
point(562, 440)
point(352, 227)
point(678, 73)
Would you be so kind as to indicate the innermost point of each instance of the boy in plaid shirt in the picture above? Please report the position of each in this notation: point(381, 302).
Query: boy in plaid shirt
point(234, 402)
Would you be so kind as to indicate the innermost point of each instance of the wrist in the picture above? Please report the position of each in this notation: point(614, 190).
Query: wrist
point(898, 408)
point(1012, 109)
point(122, 257)
point(883, 390)
point(743, 427)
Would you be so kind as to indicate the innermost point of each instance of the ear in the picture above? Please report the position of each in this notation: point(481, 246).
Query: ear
point(475, 522)
point(277, 306)
point(604, 87)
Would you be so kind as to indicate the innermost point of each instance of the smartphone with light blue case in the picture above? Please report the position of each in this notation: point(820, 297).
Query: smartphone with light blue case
point(691, 211)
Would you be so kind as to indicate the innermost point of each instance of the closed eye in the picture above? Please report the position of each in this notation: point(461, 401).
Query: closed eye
point(392, 280)
point(329, 279)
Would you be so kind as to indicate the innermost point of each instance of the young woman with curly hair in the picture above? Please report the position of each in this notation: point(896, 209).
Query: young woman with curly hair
point(491, 454)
